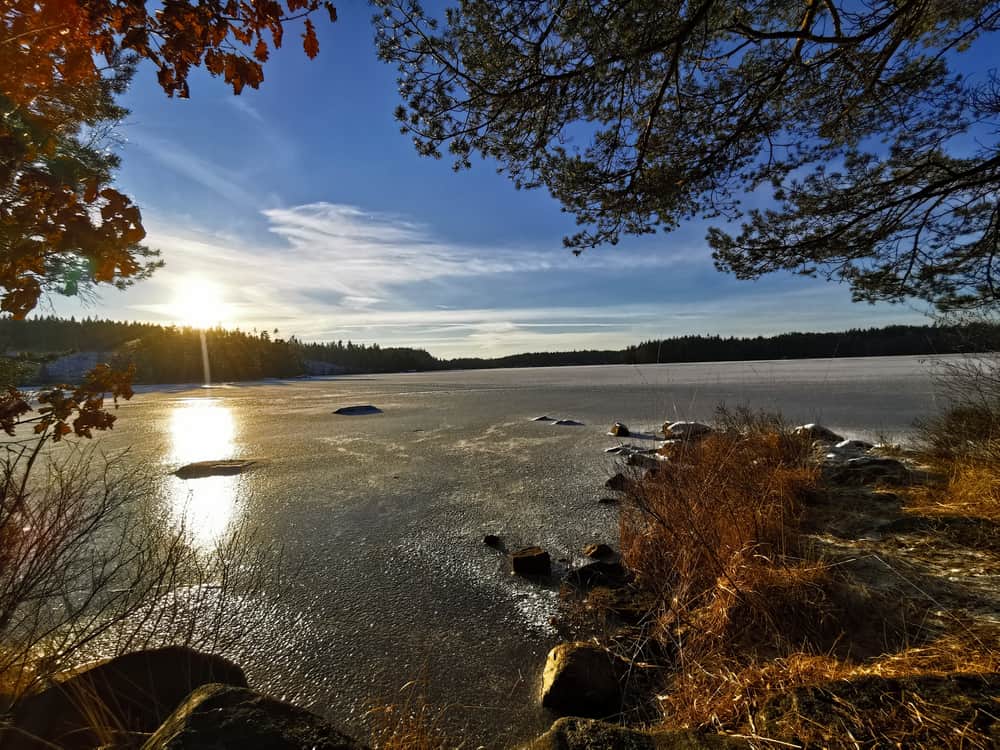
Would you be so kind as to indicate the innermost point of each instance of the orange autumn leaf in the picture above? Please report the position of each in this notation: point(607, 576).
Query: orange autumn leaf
point(260, 51)
point(309, 41)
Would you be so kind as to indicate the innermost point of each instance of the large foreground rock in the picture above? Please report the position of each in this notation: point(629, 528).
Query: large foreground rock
point(582, 679)
point(588, 734)
point(223, 717)
point(130, 693)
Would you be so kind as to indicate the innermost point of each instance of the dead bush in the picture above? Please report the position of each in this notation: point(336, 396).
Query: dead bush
point(719, 504)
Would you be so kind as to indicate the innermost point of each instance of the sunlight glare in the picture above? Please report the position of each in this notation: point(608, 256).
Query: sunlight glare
point(203, 429)
point(199, 304)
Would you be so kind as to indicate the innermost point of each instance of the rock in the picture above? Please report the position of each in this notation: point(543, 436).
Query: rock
point(567, 423)
point(202, 469)
point(357, 411)
point(599, 573)
point(492, 540)
point(222, 717)
point(531, 561)
point(543, 418)
point(619, 430)
point(869, 470)
point(133, 693)
point(642, 459)
point(581, 679)
point(619, 483)
point(860, 446)
point(686, 430)
point(598, 550)
point(813, 431)
point(572, 733)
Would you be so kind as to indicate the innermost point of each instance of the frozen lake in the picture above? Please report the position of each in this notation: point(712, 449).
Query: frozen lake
point(382, 516)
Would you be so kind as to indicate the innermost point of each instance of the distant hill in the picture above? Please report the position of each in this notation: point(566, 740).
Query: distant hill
point(169, 354)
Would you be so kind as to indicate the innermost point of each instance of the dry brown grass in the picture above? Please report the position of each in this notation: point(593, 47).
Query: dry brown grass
point(962, 444)
point(723, 689)
point(727, 507)
point(408, 724)
point(971, 489)
point(770, 644)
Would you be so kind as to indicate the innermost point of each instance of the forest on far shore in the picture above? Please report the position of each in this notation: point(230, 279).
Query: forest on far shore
point(168, 354)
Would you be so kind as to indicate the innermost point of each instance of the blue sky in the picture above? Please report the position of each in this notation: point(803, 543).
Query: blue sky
point(301, 207)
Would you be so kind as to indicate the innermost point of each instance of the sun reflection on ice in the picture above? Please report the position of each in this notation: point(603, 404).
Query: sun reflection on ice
point(203, 430)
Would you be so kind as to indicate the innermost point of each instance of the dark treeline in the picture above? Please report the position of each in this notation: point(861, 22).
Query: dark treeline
point(857, 342)
point(369, 358)
point(170, 354)
point(173, 354)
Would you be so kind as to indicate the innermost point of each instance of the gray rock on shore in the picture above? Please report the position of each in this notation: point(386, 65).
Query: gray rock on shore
point(581, 679)
point(813, 431)
point(224, 717)
point(133, 693)
point(619, 483)
point(869, 470)
point(686, 430)
point(619, 429)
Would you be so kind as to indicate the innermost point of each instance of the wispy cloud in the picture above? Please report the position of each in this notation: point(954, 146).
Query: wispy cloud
point(329, 271)
point(224, 182)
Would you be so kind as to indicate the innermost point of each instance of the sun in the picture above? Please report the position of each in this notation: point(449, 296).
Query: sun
point(199, 303)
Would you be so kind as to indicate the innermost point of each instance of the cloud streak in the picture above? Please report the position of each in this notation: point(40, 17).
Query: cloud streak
point(327, 271)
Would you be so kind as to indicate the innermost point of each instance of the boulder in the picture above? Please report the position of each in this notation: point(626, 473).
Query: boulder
point(619, 429)
point(223, 717)
point(598, 550)
point(686, 430)
point(643, 460)
point(581, 679)
point(572, 733)
point(567, 423)
point(130, 693)
point(531, 561)
point(357, 411)
point(859, 446)
point(619, 483)
point(870, 470)
point(202, 469)
point(813, 431)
